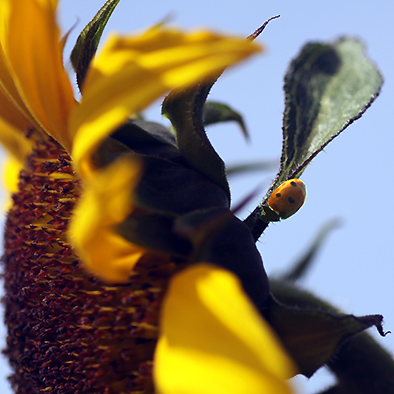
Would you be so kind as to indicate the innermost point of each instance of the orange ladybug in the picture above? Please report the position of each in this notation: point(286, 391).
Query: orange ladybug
point(288, 198)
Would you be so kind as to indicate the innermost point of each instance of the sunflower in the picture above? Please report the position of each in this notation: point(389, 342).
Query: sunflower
point(95, 296)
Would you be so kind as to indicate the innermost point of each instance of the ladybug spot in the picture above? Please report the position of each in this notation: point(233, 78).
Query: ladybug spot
point(291, 200)
point(292, 183)
point(278, 195)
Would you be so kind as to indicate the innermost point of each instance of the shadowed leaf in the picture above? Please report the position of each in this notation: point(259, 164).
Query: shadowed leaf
point(184, 108)
point(200, 228)
point(172, 187)
point(137, 132)
point(362, 366)
point(154, 232)
point(312, 330)
point(136, 136)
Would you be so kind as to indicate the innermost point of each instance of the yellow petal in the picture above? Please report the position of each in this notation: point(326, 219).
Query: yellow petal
point(12, 108)
point(132, 72)
point(106, 202)
point(30, 38)
point(12, 168)
point(214, 341)
point(14, 140)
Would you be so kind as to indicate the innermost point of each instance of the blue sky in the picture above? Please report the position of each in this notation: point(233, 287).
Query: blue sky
point(350, 180)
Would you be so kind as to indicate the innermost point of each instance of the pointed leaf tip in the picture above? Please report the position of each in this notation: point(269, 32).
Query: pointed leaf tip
point(89, 39)
point(258, 31)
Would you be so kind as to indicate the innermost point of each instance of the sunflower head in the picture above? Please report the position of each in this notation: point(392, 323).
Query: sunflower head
point(106, 207)
point(126, 270)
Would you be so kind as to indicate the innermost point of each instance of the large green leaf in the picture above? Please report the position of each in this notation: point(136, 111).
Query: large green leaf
point(88, 41)
point(327, 87)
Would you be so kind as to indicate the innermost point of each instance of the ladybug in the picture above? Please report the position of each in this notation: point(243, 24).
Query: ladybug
point(288, 198)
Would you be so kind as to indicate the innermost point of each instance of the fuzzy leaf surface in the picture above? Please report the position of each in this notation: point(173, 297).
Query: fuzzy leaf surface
point(327, 87)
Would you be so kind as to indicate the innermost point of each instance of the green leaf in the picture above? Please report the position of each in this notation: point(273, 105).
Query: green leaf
point(170, 186)
point(184, 108)
point(231, 247)
point(327, 87)
point(88, 41)
point(136, 136)
point(138, 131)
point(215, 112)
point(311, 330)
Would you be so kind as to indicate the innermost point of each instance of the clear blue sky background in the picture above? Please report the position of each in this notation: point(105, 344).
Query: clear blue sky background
point(351, 180)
